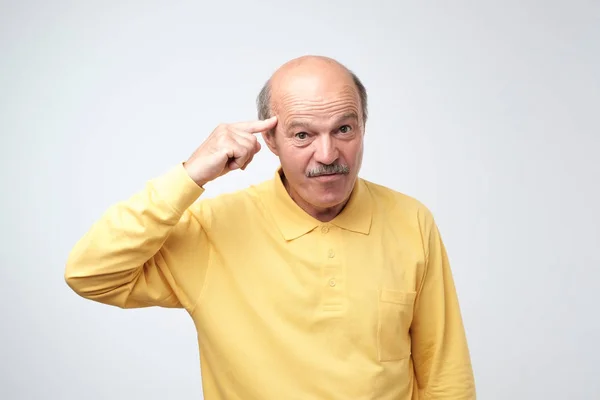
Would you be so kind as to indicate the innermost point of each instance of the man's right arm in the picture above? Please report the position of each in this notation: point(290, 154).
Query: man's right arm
point(132, 255)
point(140, 248)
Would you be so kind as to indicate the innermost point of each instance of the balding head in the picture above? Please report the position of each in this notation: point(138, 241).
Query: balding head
point(321, 108)
point(308, 76)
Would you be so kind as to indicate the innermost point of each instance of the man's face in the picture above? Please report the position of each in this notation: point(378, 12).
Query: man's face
point(319, 138)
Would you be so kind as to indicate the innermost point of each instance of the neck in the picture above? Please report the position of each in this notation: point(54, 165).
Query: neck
point(323, 214)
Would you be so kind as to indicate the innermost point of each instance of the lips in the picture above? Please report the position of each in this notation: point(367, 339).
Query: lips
point(327, 177)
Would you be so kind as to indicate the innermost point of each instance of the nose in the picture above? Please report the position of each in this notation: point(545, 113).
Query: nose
point(326, 151)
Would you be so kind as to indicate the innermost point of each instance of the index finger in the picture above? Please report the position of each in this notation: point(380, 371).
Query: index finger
point(257, 126)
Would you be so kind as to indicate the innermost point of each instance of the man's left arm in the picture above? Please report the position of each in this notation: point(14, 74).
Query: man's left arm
point(440, 352)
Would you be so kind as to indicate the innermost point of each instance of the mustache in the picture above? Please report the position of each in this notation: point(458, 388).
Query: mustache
point(328, 170)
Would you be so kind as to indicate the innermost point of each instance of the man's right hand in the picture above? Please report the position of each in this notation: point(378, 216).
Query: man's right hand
point(229, 147)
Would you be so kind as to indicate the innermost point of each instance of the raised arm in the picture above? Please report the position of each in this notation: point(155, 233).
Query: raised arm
point(138, 251)
point(439, 346)
point(130, 257)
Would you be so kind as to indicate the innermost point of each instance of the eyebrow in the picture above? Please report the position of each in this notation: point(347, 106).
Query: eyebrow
point(346, 116)
point(303, 124)
point(297, 124)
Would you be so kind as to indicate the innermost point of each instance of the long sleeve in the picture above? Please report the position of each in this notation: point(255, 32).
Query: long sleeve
point(440, 352)
point(135, 254)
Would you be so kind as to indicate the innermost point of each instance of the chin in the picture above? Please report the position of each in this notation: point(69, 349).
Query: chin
point(331, 187)
point(330, 198)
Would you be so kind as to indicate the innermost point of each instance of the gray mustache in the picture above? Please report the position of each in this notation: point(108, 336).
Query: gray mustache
point(328, 170)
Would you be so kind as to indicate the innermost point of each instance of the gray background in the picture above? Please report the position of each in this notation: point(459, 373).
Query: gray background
point(488, 112)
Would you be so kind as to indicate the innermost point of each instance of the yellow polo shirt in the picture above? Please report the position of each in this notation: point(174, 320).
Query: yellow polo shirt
point(287, 307)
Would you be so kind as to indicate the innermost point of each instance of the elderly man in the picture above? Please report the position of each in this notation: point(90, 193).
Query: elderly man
point(316, 284)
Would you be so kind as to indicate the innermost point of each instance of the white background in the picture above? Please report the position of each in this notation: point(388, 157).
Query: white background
point(488, 112)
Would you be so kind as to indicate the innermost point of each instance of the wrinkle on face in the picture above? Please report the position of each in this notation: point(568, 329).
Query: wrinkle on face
point(294, 108)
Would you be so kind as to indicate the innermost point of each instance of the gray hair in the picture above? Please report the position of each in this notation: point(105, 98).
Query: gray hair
point(263, 100)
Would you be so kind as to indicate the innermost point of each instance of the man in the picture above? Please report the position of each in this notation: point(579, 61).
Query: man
point(316, 284)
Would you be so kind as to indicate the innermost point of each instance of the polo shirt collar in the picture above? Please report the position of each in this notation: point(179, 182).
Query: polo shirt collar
point(294, 222)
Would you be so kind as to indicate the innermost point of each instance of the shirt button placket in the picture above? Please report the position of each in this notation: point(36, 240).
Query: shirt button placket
point(331, 269)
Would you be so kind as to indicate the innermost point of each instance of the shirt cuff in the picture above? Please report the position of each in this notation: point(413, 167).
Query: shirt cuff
point(177, 188)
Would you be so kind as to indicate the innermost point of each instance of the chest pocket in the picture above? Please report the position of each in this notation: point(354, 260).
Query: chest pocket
point(395, 314)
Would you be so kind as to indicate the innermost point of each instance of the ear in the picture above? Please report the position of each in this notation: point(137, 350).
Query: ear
point(269, 138)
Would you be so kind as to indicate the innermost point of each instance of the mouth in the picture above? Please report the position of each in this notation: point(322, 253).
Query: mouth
point(328, 173)
point(327, 177)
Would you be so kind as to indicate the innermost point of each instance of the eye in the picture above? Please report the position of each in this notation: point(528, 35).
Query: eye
point(301, 135)
point(345, 128)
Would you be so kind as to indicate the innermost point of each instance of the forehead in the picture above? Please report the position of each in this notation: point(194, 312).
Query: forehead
point(315, 101)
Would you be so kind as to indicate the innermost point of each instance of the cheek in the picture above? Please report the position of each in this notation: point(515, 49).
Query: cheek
point(353, 152)
point(294, 157)
point(360, 153)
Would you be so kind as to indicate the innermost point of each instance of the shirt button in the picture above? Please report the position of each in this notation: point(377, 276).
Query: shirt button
point(331, 253)
point(332, 282)
point(325, 229)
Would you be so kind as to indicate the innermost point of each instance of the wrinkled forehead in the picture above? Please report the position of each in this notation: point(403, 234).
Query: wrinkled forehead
point(318, 101)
